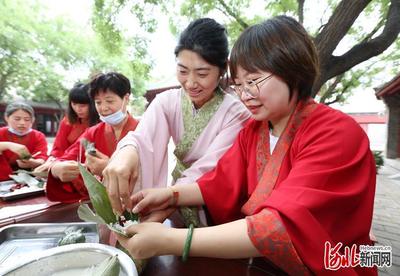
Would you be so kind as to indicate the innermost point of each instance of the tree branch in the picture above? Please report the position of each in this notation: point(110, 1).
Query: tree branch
point(331, 88)
point(373, 32)
point(233, 14)
point(338, 25)
point(367, 49)
point(338, 97)
point(300, 10)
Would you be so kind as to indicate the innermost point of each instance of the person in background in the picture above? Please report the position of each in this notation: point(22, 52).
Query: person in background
point(299, 176)
point(200, 117)
point(21, 147)
point(110, 93)
point(81, 114)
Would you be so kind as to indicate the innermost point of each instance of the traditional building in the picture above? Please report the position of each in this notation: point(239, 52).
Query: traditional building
point(390, 94)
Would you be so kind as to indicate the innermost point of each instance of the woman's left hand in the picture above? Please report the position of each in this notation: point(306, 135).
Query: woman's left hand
point(30, 163)
point(149, 239)
point(158, 216)
point(96, 163)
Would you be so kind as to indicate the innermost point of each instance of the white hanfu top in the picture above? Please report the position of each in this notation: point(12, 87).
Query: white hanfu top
point(163, 120)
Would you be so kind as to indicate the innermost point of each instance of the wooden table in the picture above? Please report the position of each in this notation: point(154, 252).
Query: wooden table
point(40, 210)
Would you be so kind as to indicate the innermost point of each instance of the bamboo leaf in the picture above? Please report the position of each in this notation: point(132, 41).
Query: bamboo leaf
point(98, 196)
point(86, 214)
point(89, 146)
point(117, 230)
point(25, 178)
point(130, 216)
point(108, 267)
point(37, 174)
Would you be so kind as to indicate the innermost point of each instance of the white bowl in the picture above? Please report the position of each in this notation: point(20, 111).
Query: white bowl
point(72, 257)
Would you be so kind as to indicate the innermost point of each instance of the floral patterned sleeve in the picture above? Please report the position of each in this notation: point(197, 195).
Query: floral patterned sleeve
point(269, 236)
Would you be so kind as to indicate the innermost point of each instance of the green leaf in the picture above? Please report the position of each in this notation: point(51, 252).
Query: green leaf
point(89, 146)
point(108, 267)
point(130, 216)
point(117, 230)
point(25, 178)
point(37, 174)
point(98, 196)
point(72, 237)
point(86, 214)
point(25, 156)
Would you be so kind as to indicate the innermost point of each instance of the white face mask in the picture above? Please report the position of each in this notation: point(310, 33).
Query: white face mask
point(19, 133)
point(114, 119)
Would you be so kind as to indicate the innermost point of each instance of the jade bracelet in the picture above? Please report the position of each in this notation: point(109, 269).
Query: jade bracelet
point(188, 243)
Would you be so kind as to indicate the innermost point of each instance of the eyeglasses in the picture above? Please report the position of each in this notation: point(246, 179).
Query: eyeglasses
point(251, 89)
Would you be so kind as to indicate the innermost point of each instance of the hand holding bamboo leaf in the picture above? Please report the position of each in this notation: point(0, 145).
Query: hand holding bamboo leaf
point(101, 204)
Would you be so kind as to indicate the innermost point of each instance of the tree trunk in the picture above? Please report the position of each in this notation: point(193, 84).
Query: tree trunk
point(337, 27)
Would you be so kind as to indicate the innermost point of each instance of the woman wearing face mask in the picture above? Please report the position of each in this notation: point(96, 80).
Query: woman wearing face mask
point(110, 93)
point(200, 117)
point(18, 141)
point(81, 114)
point(299, 176)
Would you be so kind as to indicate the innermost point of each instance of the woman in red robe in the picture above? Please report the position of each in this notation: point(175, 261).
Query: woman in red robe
point(81, 114)
point(110, 93)
point(299, 176)
point(18, 140)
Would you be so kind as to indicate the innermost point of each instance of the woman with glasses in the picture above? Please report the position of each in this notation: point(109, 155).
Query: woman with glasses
point(21, 147)
point(110, 94)
point(298, 182)
point(200, 117)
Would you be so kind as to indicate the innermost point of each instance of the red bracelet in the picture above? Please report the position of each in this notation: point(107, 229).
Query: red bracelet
point(175, 196)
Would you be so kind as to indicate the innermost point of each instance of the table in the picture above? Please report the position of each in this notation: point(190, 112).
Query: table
point(41, 210)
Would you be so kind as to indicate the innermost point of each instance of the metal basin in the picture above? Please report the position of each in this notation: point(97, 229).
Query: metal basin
point(71, 257)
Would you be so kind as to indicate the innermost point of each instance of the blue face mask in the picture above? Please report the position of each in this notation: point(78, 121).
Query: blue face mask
point(114, 119)
point(19, 133)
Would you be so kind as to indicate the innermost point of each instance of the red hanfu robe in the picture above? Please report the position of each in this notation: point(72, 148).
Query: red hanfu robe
point(102, 135)
point(35, 141)
point(67, 134)
point(324, 190)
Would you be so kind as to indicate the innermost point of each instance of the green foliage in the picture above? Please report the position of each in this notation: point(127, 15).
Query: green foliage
point(41, 55)
point(378, 159)
point(72, 237)
point(98, 196)
point(237, 14)
point(282, 6)
point(104, 23)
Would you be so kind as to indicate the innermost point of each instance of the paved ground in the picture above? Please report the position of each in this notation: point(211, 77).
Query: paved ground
point(386, 221)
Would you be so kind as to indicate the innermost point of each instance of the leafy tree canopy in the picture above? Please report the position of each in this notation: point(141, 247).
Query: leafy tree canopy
point(41, 57)
point(355, 39)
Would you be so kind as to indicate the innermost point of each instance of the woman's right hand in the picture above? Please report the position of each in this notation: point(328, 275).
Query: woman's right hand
point(20, 150)
point(120, 176)
point(45, 166)
point(151, 200)
point(66, 171)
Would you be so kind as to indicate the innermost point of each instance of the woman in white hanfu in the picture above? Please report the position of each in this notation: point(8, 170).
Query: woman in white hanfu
point(201, 118)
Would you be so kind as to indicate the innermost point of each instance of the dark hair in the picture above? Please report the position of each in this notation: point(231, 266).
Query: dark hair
point(208, 39)
point(15, 106)
point(281, 46)
point(112, 81)
point(80, 94)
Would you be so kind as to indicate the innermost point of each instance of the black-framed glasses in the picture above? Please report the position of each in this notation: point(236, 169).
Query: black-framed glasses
point(251, 88)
